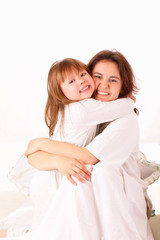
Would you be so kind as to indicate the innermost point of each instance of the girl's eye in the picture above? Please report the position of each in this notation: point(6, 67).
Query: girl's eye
point(71, 81)
point(83, 74)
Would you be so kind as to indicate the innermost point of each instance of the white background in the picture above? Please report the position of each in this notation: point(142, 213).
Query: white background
point(35, 33)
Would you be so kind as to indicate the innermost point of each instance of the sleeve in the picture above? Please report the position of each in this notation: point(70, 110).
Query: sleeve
point(118, 141)
point(21, 174)
point(93, 112)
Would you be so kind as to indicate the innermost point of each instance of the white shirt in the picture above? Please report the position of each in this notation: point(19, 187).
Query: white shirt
point(119, 144)
point(81, 119)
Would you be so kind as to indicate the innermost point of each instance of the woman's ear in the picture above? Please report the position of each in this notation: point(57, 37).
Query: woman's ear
point(122, 91)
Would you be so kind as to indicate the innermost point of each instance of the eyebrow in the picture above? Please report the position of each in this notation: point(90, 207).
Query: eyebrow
point(109, 76)
point(97, 73)
point(115, 77)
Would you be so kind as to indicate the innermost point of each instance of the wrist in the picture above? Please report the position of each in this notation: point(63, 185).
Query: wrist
point(41, 144)
point(56, 162)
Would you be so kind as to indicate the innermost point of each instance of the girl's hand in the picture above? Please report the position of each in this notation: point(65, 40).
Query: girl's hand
point(132, 97)
point(3, 233)
point(71, 167)
point(33, 146)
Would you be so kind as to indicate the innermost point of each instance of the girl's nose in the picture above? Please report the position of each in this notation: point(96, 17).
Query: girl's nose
point(82, 80)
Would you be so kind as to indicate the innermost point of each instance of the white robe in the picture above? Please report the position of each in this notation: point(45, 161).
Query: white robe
point(112, 205)
point(80, 124)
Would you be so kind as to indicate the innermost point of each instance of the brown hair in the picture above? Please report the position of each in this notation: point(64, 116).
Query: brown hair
point(125, 70)
point(56, 99)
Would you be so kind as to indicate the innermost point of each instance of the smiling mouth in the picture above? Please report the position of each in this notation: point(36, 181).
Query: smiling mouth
point(103, 93)
point(84, 89)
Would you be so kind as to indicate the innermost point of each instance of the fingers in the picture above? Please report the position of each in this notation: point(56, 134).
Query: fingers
point(78, 177)
point(29, 151)
point(26, 153)
point(83, 171)
point(132, 97)
point(79, 174)
point(84, 175)
point(77, 170)
point(71, 180)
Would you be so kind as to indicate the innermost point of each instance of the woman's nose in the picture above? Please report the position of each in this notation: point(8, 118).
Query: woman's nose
point(105, 84)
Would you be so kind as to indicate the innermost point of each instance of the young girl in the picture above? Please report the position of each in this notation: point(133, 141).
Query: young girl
point(111, 206)
point(72, 116)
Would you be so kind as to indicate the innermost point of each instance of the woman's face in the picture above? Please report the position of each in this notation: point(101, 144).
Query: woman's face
point(108, 81)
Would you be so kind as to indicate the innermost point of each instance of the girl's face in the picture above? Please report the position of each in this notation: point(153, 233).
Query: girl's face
point(107, 80)
point(78, 85)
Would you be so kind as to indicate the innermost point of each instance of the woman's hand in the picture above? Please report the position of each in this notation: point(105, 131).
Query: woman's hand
point(71, 167)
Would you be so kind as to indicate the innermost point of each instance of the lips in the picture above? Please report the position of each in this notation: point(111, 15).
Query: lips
point(84, 89)
point(103, 93)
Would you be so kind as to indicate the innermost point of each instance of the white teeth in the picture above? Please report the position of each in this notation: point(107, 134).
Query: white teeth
point(102, 93)
point(84, 89)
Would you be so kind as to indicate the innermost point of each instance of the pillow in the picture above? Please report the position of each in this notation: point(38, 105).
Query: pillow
point(150, 171)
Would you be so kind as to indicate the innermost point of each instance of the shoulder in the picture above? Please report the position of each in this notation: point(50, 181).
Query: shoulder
point(129, 121)
point(77, 111)
point(82, 105)
point(125, 130)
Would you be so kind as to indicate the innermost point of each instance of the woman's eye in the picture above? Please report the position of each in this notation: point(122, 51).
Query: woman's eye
point(113, 80)
point(97, 77)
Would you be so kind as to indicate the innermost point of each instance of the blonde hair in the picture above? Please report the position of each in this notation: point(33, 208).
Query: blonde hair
point(57, 101)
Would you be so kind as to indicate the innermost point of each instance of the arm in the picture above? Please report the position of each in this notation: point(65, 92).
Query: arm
point(65, 165)
point(115, 143)
point(58, 148)
point(118, 141)
point(91, 113)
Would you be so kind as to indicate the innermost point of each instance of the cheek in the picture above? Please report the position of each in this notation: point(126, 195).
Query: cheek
point(96, 84)
point(62, 89)
point(118, 89)
point(118, 92)
point(93, 84)
point(66, 91)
